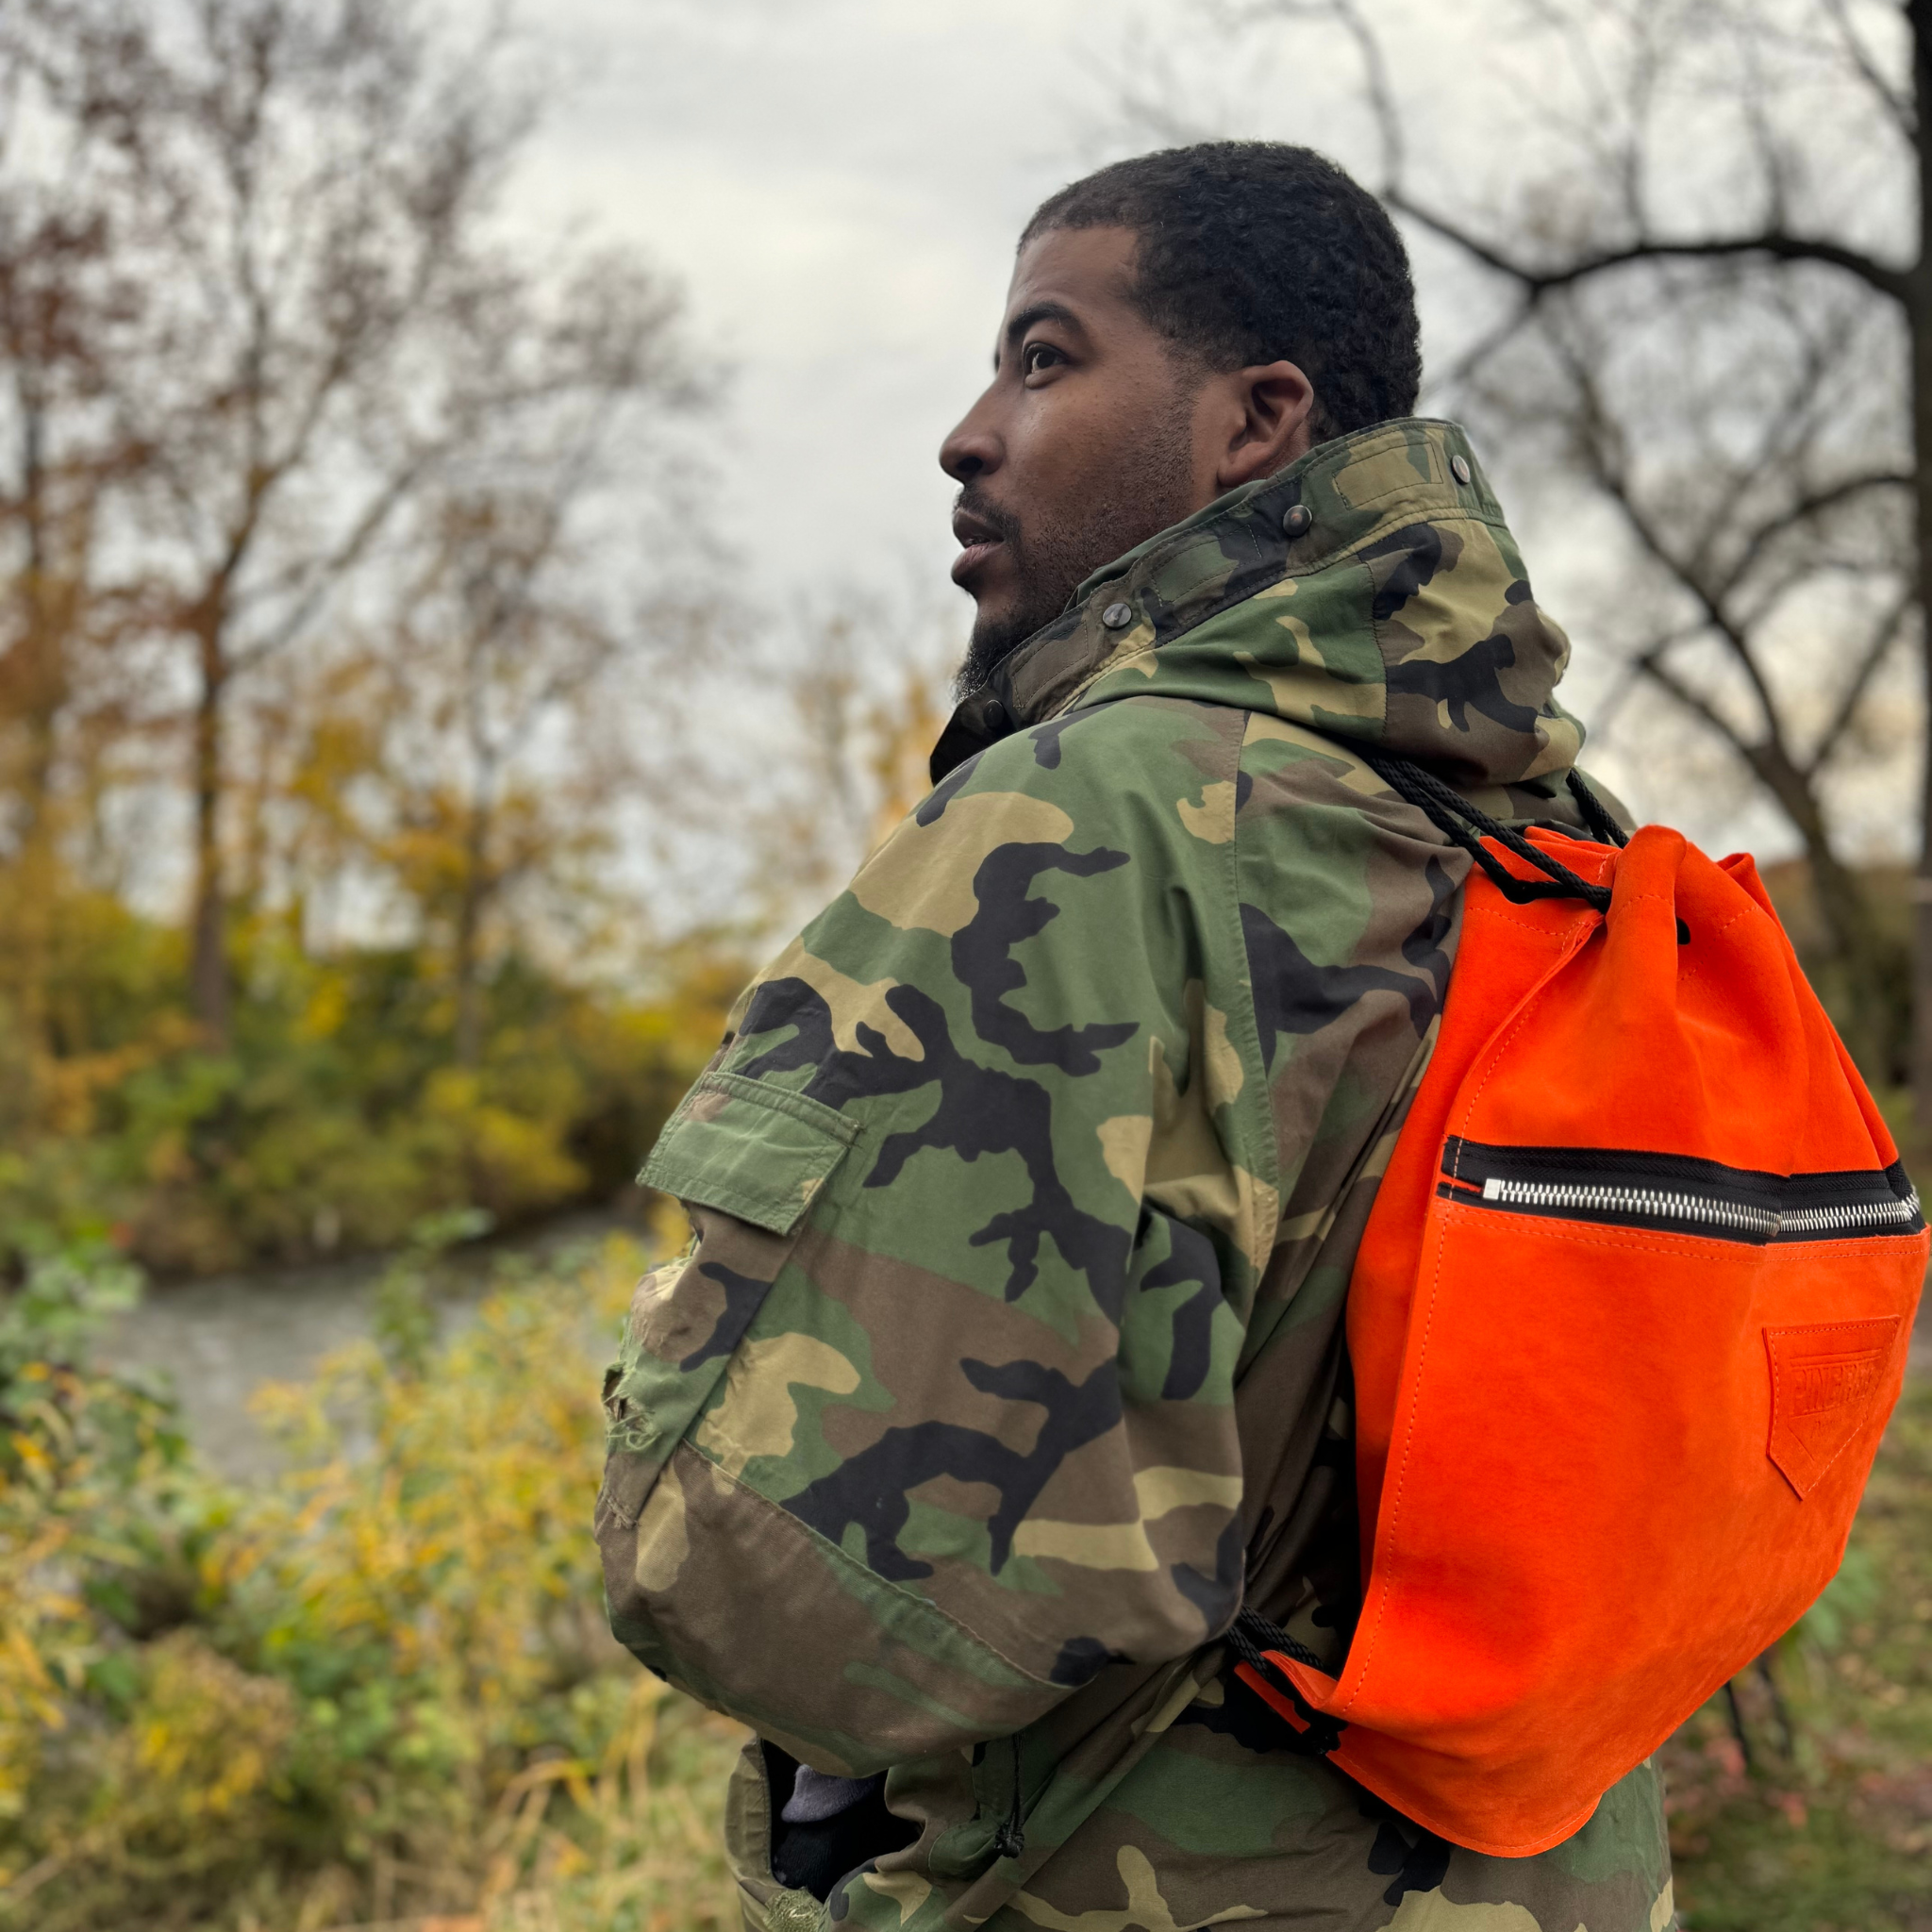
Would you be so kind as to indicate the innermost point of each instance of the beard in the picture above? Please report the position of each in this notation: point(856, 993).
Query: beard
point(1144, 487)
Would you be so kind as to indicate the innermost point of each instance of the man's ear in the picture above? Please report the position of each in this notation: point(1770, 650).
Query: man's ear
point(1271, 404)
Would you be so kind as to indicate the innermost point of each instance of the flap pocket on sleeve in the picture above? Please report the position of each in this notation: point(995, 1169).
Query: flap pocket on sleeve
point(749, 1149)
point(747, 1160)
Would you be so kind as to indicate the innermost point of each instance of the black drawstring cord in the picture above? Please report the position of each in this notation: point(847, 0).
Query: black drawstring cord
point(1249, 1637)
point(1603, 827)
point(1010, 1839)
point(1468, 826)
point(1251, 1633)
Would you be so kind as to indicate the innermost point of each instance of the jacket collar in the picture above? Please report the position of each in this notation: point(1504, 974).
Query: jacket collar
point(1359, 526)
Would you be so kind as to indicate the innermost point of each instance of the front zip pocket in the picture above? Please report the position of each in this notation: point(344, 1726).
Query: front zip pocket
point(1678, 1194)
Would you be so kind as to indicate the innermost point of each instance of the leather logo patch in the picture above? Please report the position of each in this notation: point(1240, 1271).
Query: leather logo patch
point(1825, 1377)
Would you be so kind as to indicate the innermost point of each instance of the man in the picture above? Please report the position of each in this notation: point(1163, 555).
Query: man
point(1008, 1360)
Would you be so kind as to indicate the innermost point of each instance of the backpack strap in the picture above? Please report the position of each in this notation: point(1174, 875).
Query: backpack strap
point(1603, 828)
point(1468, 826)
point(1251, 1636)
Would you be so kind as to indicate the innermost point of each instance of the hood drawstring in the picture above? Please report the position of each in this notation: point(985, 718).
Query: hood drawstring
point(1010, 1839)
point(1467, 824)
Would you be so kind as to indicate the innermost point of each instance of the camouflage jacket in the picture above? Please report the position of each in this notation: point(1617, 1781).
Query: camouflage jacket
point(1007, 1355)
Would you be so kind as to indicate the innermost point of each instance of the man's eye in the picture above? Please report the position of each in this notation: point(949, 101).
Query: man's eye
point(1038, 356)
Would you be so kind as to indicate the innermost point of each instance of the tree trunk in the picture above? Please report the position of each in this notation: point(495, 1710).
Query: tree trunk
point(469, 1042)
point(468, 961)
point(39, 883)
point(1918, 321)
point(1843, 909)
point(40, 693)
point(209, 990)
point(1847, 913)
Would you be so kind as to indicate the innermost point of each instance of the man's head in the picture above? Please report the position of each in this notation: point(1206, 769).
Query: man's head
point(1178, 324)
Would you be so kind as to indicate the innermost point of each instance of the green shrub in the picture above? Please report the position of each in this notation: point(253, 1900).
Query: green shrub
point(379, 1685)
point(338, 1117)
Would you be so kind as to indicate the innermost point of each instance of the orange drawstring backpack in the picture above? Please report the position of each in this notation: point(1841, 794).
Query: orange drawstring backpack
point(1626, 1323)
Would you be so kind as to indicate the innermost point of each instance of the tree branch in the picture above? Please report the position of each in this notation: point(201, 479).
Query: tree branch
point(1876, 651)
point(1772, 243)
point(1715, 615)
point(1651, 665)
point(1605, 716)
point(1381, 92)
point(1804, 509)
point(1898, 106)
point(1611, 479)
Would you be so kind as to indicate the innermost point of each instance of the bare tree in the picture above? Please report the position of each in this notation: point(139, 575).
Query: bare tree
point(305, 194)
point(863, 680)
point(1710, 302)
point(505, 758)
point(1758, 588)
point(63, 305)
point(487, 728)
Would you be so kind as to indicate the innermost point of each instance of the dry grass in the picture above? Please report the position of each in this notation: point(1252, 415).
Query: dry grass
point(376, 1691)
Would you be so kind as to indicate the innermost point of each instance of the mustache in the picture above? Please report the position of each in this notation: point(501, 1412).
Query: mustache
point(981, 507)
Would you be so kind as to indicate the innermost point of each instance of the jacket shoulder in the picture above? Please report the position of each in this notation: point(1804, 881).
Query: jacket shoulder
point(1108, 752)
point(1146, 744)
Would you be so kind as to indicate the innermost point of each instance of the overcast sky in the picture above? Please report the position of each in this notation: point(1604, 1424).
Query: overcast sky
point(838, 184)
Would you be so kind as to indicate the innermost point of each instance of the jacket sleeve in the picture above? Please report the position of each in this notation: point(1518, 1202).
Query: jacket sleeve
point(935, 1417)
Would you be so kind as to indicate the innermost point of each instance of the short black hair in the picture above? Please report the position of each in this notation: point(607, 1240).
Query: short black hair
point(1254, 252)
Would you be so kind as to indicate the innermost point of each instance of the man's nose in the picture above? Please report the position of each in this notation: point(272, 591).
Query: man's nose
point(972, 449)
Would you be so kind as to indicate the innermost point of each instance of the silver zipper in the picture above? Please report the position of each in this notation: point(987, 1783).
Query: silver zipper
point(1849, 1216)
point(1766, 1223)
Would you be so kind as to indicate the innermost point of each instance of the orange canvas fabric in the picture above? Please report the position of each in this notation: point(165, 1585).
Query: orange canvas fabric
point(1626, 1325)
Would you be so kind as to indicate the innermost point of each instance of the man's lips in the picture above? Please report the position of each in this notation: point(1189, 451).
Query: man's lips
point(979, 540)
point(970, 558)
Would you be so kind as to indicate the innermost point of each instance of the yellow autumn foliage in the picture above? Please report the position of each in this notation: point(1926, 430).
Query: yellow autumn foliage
point(377, 1689)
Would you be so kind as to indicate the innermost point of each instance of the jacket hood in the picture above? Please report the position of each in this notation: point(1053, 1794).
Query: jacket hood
point(1370, 591)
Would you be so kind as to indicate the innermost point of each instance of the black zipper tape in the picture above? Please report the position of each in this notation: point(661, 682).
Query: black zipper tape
point(1680, 1195)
